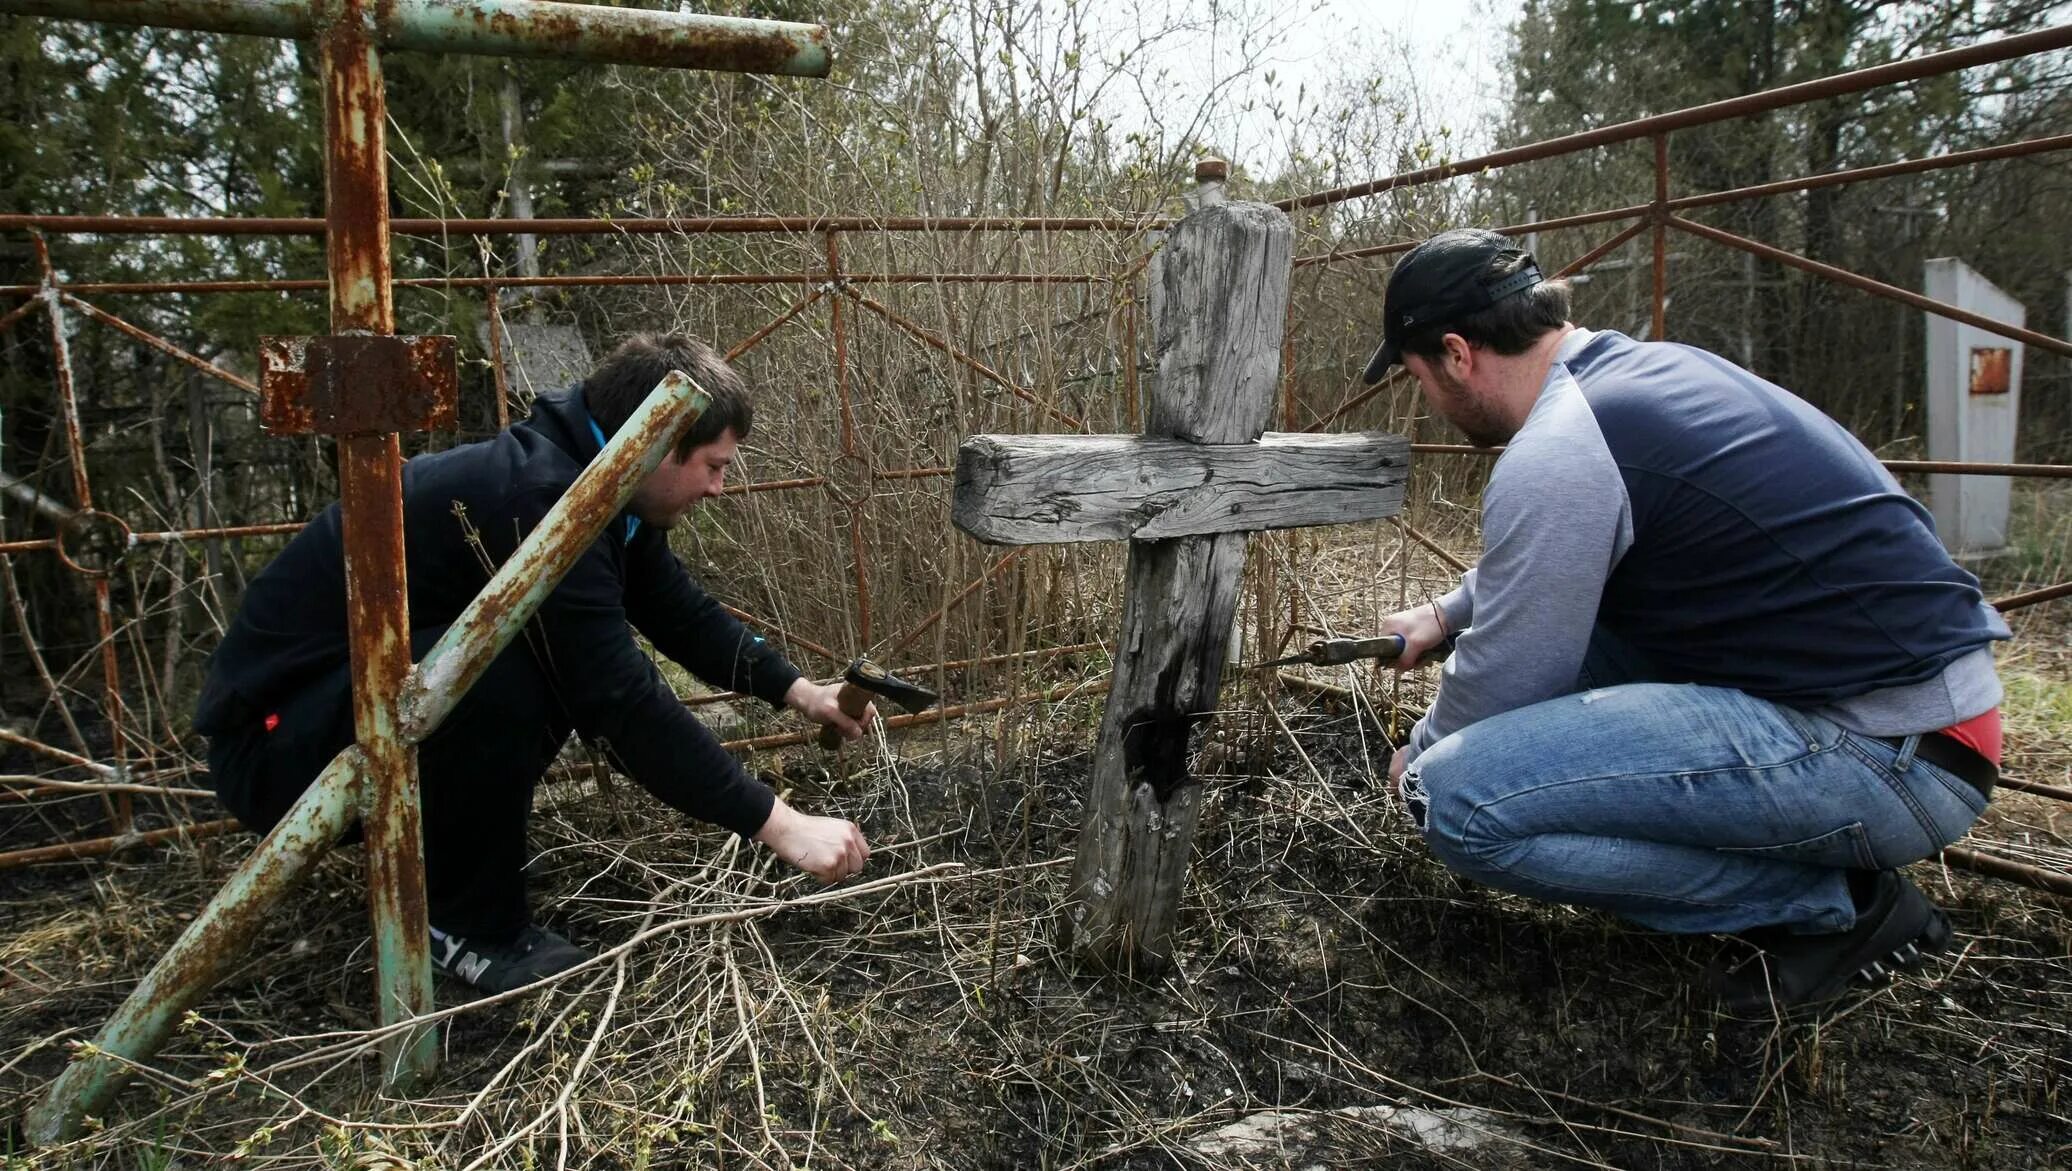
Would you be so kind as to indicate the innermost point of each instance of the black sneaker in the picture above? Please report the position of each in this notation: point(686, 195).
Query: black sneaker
point(499, 967)
point(1896, 926)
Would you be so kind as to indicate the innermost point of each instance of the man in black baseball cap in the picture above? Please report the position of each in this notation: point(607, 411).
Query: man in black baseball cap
point(1448, 277)
point(1713, 671)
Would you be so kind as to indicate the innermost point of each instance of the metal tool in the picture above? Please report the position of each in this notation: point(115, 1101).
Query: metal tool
point(1331, 652)
point(865, 681)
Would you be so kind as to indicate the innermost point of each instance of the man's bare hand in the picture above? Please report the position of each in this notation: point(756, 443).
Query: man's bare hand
point(828, 848)
point(1421, 628)
point(819, 702)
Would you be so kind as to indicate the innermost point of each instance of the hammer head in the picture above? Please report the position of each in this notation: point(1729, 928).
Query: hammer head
point(874, 679)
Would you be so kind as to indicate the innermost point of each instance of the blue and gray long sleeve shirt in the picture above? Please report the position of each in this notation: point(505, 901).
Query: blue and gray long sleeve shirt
point(1726, 530)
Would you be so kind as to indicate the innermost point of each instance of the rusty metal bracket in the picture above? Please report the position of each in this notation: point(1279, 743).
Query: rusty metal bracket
point(358, 384)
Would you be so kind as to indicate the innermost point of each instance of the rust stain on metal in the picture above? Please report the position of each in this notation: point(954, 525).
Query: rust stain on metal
point(358, 384)
point(355, 178)
point(566, 30)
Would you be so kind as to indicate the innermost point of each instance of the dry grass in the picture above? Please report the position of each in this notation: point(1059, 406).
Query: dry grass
point(923, 1018)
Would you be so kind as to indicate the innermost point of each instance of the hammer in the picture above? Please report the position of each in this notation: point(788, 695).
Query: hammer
point(865, 681)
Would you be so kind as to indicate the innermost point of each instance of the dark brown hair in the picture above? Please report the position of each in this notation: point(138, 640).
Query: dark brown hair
point(620, 383)
point(1509, 327)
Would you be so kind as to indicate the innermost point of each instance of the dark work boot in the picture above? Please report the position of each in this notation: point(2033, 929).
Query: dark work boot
point(1791, 974)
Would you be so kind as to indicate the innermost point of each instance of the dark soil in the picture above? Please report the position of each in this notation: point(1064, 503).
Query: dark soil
point(1326, 962)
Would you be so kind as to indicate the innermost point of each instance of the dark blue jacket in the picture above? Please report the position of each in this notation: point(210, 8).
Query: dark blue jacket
point(290, 631)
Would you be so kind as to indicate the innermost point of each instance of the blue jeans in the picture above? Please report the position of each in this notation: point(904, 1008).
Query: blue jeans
point(1683, 808)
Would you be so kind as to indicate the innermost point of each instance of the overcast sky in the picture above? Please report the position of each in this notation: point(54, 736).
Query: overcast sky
point(1450, 51)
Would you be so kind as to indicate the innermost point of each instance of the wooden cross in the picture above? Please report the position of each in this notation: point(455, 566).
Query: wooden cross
point(1184, 494)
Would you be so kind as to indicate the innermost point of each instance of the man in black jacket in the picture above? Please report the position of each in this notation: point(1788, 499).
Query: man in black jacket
point(277, 703)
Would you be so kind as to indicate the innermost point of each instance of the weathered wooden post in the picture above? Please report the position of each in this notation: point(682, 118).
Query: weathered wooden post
point(1184, 494)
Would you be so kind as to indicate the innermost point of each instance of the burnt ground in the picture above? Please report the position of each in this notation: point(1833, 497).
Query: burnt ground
point(1329, 969)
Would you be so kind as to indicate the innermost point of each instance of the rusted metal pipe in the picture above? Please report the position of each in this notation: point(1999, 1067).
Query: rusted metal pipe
point(281, 528)
point(61, 364)
point(626, 280)
point(1763, 190)
point(1955, 467)
point(2035, 877)
point(1854, 280)
point(2054, 792)
point(2033, 597)
point(755, 339)
point(785, 636)
point(773, 486)
point(1434, 547)
point(931, 716)
point(117, 225)
point(1393, 380)
point(44, 786)
point(99, 847)
point(1658, 219)
point(496, 358)
point(119, 809)
point(503, 607)
point(370, 476)
point(9, 319)
point(1880, 171)
point(919, 669)
point(58, 754)
point(1637, 211)
point(1600, 252)
point(494, 28)
point(160, 344)
point(1950, 61)
point(859, 559)
point(218, 935)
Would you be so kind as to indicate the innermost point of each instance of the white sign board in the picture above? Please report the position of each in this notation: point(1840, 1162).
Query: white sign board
point(1974, 400)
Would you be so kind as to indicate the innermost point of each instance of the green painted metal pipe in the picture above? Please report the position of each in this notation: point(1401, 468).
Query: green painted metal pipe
point(539, 563)
point(597, 33)
point(217, 937)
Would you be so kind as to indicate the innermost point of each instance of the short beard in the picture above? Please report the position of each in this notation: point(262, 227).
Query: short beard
point(1471, 416)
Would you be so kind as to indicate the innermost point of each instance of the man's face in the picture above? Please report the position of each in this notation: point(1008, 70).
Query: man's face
point(1453, 400)
point(678, 485)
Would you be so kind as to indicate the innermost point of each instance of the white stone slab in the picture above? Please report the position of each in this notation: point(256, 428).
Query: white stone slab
point(1974, 403)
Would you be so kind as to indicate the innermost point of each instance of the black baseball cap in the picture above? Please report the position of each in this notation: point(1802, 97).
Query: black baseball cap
point(1448, 276)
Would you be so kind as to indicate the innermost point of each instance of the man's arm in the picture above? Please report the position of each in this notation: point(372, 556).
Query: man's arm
point(687, 624)
point(691, 627)
point(1555, 521)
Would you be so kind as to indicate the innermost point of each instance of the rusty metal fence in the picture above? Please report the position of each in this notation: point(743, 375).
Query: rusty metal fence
point(89, 539)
